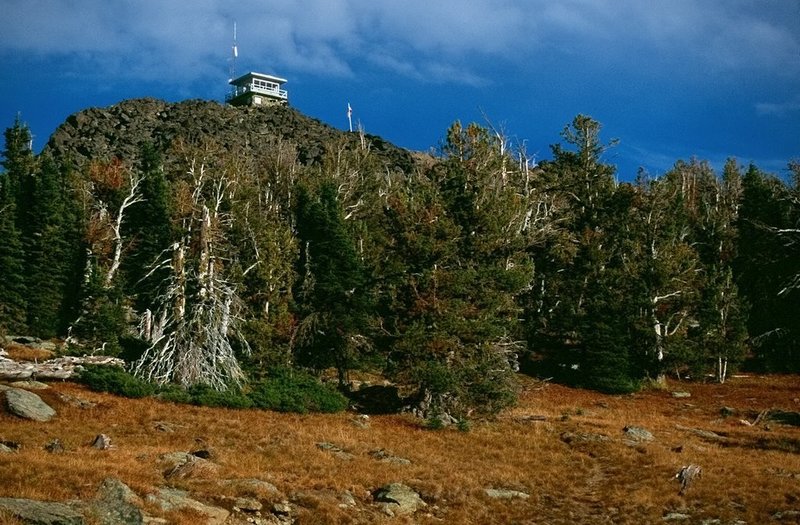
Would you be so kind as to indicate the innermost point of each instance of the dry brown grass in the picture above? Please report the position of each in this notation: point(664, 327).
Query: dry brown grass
point(19, 352)
point(593, 482)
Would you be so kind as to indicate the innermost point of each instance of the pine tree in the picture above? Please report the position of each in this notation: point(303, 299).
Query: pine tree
point(18, 164)
point(49, 250)
point(333, 290)
point(764, 267)
point(580, 251)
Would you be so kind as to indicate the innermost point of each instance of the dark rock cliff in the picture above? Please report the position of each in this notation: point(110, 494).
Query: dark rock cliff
point(121, 130)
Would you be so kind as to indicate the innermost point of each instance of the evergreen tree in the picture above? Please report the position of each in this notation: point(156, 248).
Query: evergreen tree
point(18, 163)
point(49, 252)
point(456, 264)
point(333, 289)
point(578, 254)
point(149, 230)
point(765, 266)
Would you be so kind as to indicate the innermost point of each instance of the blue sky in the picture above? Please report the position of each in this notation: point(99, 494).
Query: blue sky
point(670, 80)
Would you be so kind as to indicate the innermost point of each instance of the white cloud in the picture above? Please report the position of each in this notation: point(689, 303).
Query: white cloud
point(424, 39)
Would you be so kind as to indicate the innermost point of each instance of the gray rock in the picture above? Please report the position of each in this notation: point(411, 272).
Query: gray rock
point(54, 446)
point(28, 405)
point(385, 456)
point(9, 447)
point(335, 450)
point(41, 512)
point(637, 434)
point(193, 468)
point(679, 395)
point(787, 515)
point(116, 504)
point(173, 499)
point(398, 499)
point(102, 442)
point(506, 494)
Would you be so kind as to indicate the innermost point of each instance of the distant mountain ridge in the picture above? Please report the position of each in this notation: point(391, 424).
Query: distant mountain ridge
point(121, 130)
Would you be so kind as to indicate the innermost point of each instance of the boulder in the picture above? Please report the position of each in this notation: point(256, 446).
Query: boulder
point(398, 499)
point(28, 405)
point(102, 442)
point(637, 434)
point(41, 512)
point(115, 504)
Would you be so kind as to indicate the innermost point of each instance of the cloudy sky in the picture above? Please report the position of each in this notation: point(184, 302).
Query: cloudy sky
point(670, 80)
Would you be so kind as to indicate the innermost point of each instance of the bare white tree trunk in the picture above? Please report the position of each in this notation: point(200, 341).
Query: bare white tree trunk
point(198, 312)
point(134, 195)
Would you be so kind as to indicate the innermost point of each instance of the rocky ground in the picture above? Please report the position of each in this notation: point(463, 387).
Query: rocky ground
point(69, 455)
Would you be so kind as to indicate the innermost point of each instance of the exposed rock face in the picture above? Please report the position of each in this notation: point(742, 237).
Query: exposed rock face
point(123, 129)
point(28, 405)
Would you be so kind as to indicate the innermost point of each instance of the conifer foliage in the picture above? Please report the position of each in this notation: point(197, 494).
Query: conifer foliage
point(209, 265)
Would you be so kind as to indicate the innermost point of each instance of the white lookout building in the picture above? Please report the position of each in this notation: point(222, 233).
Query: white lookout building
point(257, 89)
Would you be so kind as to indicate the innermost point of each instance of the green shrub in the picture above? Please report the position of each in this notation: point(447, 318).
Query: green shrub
point(206, 396)
point(294, 391)
point(175, 394)
point(115, 380)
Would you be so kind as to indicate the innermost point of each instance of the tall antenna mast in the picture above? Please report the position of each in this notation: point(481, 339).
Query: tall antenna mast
point(234, 54)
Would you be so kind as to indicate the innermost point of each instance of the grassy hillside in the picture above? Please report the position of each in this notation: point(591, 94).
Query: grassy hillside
point(575, 465)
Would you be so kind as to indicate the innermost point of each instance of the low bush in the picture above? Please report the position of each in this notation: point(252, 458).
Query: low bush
point(284, 390)
point(115, 380)
point(206, 396)
point(294, 391)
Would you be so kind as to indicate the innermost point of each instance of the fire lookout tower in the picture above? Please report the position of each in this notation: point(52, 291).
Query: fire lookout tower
point(257, 89)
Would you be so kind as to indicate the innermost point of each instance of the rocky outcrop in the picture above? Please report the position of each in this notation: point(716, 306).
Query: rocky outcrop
point(28, 405)
point(122, 131)
point(59, 368)
point(116, 504)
